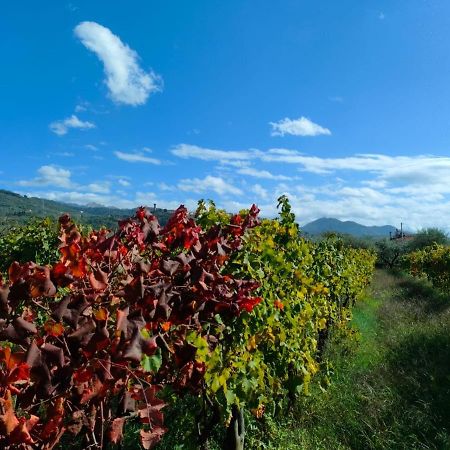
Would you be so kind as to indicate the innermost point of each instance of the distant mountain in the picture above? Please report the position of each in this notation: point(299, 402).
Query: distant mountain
point(324, 225)
point(17, 209)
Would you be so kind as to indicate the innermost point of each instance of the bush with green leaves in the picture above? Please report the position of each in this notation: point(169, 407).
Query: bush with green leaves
point(432, 262)
point(270, 356)
point(426, 237)
point(36, 241)
point(390, 253)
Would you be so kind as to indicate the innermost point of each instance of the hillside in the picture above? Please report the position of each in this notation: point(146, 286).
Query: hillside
point(324, 225)
point(15, 208)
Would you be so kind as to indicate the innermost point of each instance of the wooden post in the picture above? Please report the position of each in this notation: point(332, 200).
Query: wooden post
point(236, 431)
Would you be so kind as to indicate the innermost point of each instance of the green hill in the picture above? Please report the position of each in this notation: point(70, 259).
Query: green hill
point(18, 209)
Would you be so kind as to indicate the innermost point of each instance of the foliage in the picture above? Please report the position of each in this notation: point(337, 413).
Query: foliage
point(425, 238)
point(36, 241)
point(390, 253)
point(92, 341)
point(207, 215)
point(270, 356)
point(232, 311)
point(365, 242)
point(432, 262)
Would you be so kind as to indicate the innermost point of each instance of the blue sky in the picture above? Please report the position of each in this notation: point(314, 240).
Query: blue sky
point(344, 106)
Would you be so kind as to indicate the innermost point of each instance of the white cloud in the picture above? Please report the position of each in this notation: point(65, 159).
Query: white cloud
point(411, 169)
point(260, 191)
point(123, 182)
point(166, 187)
point(61, 127)
point(369, 188)
point(98, 188)
point(393, 169)
point(82, 106)
point(64, 154)
point(136, 158)
point(127, 82)
point(206, 154)
point(239, 163)
point(50, 176)
point(375, 183)
point(209, 183)
point(257, 173)
point(298, 127)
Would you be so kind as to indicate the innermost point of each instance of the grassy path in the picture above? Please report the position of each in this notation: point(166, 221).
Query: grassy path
point(391, 389)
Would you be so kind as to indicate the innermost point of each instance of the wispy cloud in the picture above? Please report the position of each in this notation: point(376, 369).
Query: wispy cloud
point(64, 154)
point(407, 169)
point(193, 151)
point(259, 191)
point(127, 82)
point(264, 174)
point(298, 127)
point(62, 127)
point(137, 157)
point(98, 188)
point(209, 183)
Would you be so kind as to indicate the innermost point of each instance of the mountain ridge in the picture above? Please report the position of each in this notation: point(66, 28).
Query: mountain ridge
point(329, 224)
point(18, 209)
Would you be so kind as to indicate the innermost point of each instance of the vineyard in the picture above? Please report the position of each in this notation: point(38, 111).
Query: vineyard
point(232, 311)
point(199, 333)
point(224, 225)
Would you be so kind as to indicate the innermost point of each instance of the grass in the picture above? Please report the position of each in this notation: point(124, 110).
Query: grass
point(390, 390)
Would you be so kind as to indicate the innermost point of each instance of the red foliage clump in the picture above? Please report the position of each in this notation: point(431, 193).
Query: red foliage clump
point(78, 332)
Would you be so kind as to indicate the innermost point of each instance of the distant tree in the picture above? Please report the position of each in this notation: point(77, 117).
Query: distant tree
point(349, 240)
point(427, 237)
point(389, 252)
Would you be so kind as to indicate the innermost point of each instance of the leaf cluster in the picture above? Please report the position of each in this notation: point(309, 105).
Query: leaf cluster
point(93, 341)
point(35, 241)
point(432, 262)
point(271, 355)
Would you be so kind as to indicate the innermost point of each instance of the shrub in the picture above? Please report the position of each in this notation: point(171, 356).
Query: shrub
point(36, 241)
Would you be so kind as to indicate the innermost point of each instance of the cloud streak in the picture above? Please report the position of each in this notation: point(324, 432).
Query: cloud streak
point(137, 158)
point(401, 169)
